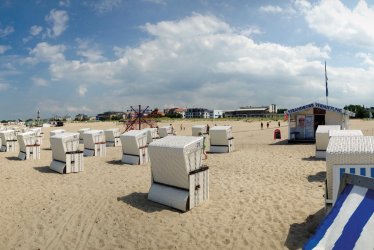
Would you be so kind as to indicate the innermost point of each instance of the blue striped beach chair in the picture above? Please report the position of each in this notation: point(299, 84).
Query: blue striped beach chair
point(350, 223)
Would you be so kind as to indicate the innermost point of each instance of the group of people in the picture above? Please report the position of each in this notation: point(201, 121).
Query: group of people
point(268, 124)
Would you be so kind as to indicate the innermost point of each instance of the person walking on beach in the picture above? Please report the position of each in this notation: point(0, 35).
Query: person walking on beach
point(267, 125)
point(172, 128)
point(181, 126)
point(204, 146)
point(262, 125)
point(207, 129)
point(279, 123)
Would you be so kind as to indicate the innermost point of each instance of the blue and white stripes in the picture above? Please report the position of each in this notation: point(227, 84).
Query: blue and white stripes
point(350, 224)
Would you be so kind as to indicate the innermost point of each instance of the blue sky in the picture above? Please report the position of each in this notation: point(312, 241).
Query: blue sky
point(89, 56)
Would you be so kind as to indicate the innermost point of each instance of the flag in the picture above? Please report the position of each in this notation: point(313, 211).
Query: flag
point(327, 89)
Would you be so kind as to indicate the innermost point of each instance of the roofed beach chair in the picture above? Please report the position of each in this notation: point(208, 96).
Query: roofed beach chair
point(29, 147)
point(322, 139)
point(55, 132)
point(112, 137)
point(350, 223)
point(81, 132)
point(179, 179)
point(67, 158)
point(39, 134)
point(221, 139)
point(151, 134)
point(8, 140)
point(197, 129)
point(347, 154)
point(94, 143)
point(134, 147)
point(165, 131)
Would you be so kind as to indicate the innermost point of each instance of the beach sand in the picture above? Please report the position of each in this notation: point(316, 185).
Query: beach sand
point(264, 195)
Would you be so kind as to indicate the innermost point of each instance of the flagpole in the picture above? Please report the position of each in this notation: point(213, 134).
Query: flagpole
point(327, 90)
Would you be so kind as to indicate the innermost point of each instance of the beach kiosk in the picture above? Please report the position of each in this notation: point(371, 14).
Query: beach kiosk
point(67, 158)
point(29, 147)
point(303, 121)
point(179, 179)
point(94, 143)
point(8, 140)
point(134, 147)
point(196, 129)
point(347, 154)
point(112, 137)
point(221, 139)
point(322, 139)
point(165, 131)
point(81, 132)
point(151, 134)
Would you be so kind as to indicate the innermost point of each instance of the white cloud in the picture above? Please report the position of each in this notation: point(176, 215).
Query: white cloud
point(6, 31)
point(336, 21)
point(58, 20)
point(88, 51)
point(4, 48)
point(82, 90)
point(35, 30)
point(64, 3)
point(271, 9)
point(4, 86)
point(200, 60)
point(103, 6)
point(38, 81)
point(44, 52)
point(162, 2)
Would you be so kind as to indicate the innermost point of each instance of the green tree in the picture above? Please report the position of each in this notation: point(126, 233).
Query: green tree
point(360, 111)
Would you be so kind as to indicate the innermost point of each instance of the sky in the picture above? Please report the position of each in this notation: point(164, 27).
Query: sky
point(65, 57)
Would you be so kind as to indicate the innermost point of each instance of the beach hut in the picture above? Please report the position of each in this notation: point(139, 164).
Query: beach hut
point(221, 139)
point(94, 143)
point(134, 147)
point(67, 158)
point(322, 139)
point(196, 129)
point(112, 137)
point(81, 132)
point(303, 121)
point(179, 179)
point(8, 141)
point(165, 131)
point(350, 223)
point(347, 154)
point(151, 134)
point(29, 147)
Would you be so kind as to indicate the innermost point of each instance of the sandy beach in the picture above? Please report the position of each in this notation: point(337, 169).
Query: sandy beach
point(264, 195)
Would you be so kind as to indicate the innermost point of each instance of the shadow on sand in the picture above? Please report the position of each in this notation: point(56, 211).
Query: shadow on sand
point(140, 201)
point(13, 158)
point(45, 170)
point(313, 158)
point(318, 177)
point(116, 162)
point(298, 234)
point(282, 142)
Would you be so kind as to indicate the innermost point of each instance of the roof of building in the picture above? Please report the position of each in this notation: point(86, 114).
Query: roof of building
point(320, 106)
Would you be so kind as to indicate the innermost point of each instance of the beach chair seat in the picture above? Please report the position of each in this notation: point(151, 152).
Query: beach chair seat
point(221, 139)
point(165, 131)
point(322, 139)
point(8, 141)
point(94, 143)
point(112, 137)
point(28, 145)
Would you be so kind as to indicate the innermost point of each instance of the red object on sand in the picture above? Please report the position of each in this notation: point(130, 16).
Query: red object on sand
point(277, 134)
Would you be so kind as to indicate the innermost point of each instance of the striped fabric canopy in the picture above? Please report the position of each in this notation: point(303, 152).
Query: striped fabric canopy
point(350, 224)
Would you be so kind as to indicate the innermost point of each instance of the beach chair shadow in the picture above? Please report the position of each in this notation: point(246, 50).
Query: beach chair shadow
point(141, 202)
point(318, 177)
point(116, 162)
point(13, 158)
point(299, 233)
point(282, 142)
point(45, 170)
point(313, 158)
